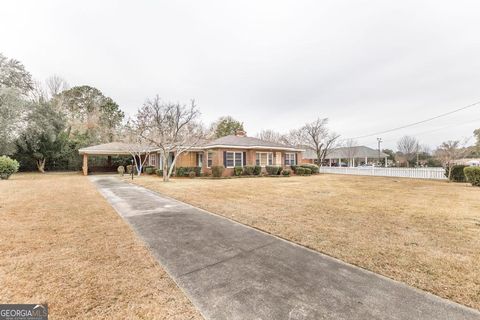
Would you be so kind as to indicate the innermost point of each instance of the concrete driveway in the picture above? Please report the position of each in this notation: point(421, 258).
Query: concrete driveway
point(231, 271)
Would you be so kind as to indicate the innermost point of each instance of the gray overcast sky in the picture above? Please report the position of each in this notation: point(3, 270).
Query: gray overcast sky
point(366, 65)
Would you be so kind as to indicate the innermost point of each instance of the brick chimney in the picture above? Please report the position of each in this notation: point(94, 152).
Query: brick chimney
point(240, 133)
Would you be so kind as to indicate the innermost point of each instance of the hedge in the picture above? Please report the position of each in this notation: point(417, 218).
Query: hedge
point(457, 174)
point(217, 171)
point(273, 170)
point(8, 166)
point(248, 170)
point(308, 171)
point(299, 171)
point(185, 171)
point(159, 172)
point(237, 170)
point(473, 175)
point(314, 168)
point(257, 170)
point(286, 173)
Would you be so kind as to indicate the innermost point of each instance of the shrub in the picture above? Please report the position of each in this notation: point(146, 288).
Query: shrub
point(185, 171)
point(121, 170)
point(307, 171)
point(8, 166)
point(237, 171)
point(129, 169)
point(159, 172)
point(149, 170)
point(457, 174)
point(198, 171)
point(473, 175)
point(286, 172)
point(257, 170)
point(217, 171)
point(300, 171)
point(273, 170)
point(191, 174)
point(314, 168)
point(248, 170)
point(181, 172)
point(294, 169)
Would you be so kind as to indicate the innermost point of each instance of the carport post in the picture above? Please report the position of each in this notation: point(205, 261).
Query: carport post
point(85, 164)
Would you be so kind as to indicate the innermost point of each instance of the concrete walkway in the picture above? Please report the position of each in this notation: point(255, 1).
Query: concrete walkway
point(231, 271)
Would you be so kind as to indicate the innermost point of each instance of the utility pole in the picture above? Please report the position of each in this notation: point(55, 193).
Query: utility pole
point(379, 140)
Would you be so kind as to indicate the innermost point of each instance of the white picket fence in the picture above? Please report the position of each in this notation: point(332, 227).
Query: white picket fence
point(416, 173)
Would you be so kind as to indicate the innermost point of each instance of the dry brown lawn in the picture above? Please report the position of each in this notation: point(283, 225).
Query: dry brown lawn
point(61, 243)
point(424, 233)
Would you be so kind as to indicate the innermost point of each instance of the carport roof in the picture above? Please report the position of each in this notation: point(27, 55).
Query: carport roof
point(112, 148)
point(347, 152)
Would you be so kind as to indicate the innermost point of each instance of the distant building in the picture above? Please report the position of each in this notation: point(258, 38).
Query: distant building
point(347, 156)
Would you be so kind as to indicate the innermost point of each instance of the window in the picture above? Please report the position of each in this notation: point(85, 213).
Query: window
point(290, 159)
point(234, 159)
point(209, 159)
point(152, 159)
point(264, 159)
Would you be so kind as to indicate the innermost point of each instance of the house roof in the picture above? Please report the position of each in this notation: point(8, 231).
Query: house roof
point(346, 152)
point(112, 148)
point(247, 142)
point(118, 148)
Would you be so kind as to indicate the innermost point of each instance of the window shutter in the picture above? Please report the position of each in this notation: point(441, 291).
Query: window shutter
point(244, 158)
point(225, 159)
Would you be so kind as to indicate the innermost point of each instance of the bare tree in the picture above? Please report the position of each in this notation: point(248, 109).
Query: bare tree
point(271, 136)
point(56, 84)
point(295, 137)
point(317, 137)
point(136, 145)
point(409, 148)
point(171, 127)
point(350, 151)
point(450, 151)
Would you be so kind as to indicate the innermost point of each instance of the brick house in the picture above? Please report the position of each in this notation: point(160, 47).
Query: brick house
point(229, 151)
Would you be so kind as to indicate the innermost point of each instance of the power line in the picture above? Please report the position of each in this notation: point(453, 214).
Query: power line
point(416, 123)
point(440, 128)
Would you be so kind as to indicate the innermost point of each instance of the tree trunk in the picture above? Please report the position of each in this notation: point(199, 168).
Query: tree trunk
point(170, 170)
point(449, 172)
point(166, 177)
point(41, 165)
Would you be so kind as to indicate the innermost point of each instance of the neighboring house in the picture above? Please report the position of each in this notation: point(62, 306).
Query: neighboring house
point(475, 162)
point(346, 156)
point(230, 151)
